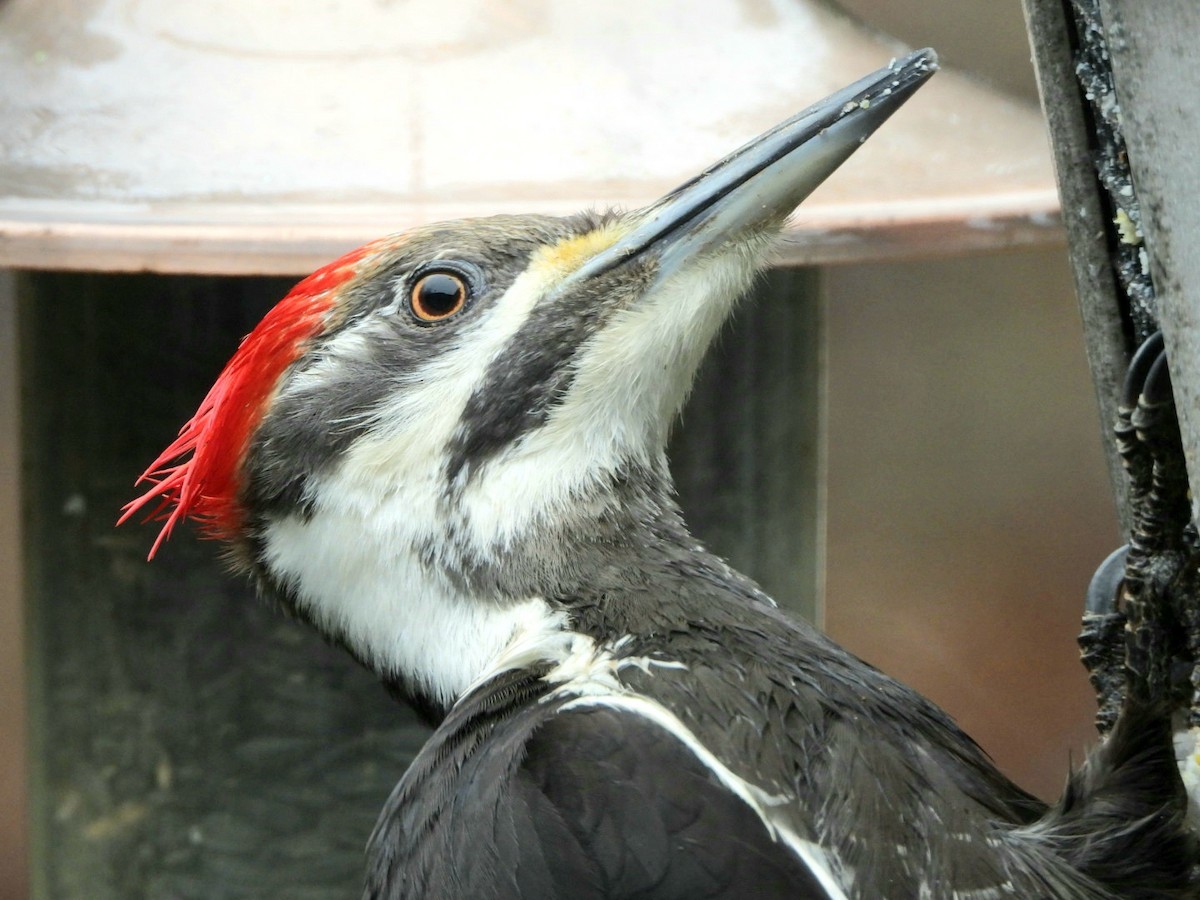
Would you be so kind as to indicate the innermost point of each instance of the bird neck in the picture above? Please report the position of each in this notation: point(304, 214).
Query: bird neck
point(405, 584)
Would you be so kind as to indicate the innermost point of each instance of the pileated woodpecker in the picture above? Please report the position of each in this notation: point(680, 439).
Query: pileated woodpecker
point(446, 452)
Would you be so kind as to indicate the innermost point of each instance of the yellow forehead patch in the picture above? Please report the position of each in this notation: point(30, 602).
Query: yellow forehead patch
point(558, 260)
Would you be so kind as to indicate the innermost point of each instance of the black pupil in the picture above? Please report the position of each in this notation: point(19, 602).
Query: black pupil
point(439, 294)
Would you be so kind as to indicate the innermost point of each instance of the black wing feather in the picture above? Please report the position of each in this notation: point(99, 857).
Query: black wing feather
point(591, 802)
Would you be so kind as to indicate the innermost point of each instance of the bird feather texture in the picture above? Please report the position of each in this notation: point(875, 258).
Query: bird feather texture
point(481, 511)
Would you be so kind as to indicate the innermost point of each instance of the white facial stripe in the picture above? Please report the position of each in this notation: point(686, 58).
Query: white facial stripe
point(411, 429)
point(630, 382)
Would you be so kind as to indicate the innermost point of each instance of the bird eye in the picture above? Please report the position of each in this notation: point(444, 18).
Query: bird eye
point(438, 296)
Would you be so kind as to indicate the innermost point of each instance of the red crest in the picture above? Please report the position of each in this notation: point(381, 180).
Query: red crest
point(197, 476)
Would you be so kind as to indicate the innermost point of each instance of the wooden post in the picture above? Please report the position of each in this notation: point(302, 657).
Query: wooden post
point(1151, 47)
point(1085, 217)
point(190, 741)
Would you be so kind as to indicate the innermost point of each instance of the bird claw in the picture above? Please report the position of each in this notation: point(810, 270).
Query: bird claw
point(1102, 640)
point(1141, 628)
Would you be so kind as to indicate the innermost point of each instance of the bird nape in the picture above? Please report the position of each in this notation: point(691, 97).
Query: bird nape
point(446, 451)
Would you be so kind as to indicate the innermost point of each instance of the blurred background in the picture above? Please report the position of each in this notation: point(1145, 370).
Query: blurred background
point(965, 492)
point(968, 498)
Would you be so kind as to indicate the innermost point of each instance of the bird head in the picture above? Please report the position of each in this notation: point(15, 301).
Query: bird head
point(430, 438)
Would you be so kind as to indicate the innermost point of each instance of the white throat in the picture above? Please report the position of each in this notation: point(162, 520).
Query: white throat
point(360, 581)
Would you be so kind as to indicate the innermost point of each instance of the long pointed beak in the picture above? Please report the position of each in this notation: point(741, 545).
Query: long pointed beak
point(760, 183)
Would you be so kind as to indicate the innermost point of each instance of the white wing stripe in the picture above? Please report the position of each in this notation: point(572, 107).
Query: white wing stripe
point(814, 857)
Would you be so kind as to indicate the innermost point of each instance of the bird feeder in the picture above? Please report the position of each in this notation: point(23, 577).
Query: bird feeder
point(186, 742)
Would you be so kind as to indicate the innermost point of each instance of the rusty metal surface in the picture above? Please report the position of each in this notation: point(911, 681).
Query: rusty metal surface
point(265, 137)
